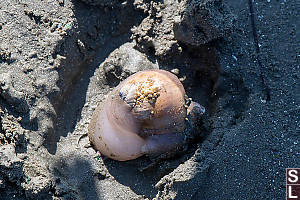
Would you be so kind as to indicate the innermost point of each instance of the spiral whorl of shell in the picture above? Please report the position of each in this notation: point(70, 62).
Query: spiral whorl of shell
point(156, 100)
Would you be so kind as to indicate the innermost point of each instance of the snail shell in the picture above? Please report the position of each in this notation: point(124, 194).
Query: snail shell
point(144, 114)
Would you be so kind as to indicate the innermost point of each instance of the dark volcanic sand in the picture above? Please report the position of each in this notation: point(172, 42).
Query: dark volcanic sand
point(59, 59)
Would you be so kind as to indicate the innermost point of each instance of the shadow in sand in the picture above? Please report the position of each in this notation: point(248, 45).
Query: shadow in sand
point(9, 176)
point(74, 177)
point(20, 108)
point(12, 176)
point(99, 32)
point(141, 182)
point(15, 137)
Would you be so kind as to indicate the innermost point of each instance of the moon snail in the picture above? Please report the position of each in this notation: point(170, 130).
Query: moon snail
point(145, 114)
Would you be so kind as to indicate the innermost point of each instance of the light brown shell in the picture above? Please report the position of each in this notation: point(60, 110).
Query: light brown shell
point(147, 103)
